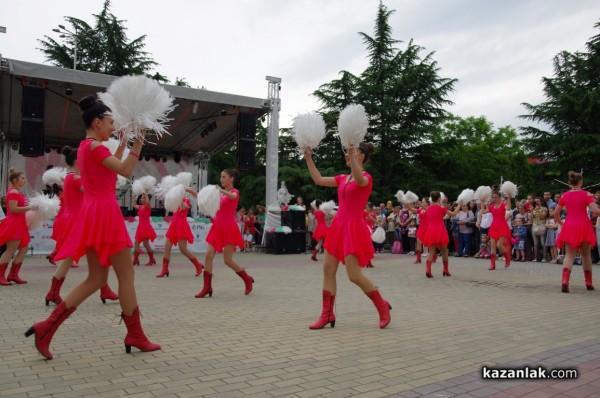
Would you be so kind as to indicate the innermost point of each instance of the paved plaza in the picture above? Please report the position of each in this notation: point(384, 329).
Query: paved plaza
point(443, 331)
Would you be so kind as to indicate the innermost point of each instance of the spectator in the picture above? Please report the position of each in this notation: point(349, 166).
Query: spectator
point(464, 218)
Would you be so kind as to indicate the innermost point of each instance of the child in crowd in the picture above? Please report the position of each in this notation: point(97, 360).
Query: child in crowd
point(412, 235)
point(551, 233)
point(520, 233)
point(485, 247)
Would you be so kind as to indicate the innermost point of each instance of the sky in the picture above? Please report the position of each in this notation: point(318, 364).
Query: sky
point(499, 50)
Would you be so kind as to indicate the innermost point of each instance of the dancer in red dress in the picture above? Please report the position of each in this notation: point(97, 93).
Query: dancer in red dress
point(179, 234)
point(499, 231)
point(58, 226)
point(422, 229)
point(72, 199)
point(577, 232)
point(349, 238)
point(144, 232)
point(321, 230)
point(100, 233)
point(224, 235)
point(13, 230)
point(436, 235)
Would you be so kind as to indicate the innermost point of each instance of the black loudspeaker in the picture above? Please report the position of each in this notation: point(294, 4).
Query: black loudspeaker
point(32, 121)
point(246, 141)
point(296, 220)
point(292, 243)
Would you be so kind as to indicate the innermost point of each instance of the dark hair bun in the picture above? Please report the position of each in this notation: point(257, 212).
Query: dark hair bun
point(370, 147)
point(87, 102)
point(66, 150)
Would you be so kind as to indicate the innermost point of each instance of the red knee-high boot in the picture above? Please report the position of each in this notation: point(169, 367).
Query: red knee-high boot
point(314, 255)
point(44, 330)
point(207, 287)
point(565, 280)
point(445, 272)
point(107, 294)
point(136, 257)
point(135, 334)
point(493, 262)
point(327, 315)
point(152, 261)
point(428, 269)
point(507, 255)
point(418, 260)
point(198, 266)
point(54, 292)
point(588, 280)
point(383, 308)
point(13, 275)
point(165, 269)
point(248, 280)
point(3, 280)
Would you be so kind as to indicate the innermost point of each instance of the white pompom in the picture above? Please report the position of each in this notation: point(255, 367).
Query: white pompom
point(410, 197)
point(121, 181)
point(112, 144)
point(165, 185)
point(32, 219)
point(509, 189)
point(138, 103)
point(352, 125)
point(327, 207)
point(137, 188)
point(44, 207)
point(465, 196)
point(209, 200)
point(184, 178)
point(309, 130)
point(149, 184)
point(442, 197)
point(174, 197)
point(378, 235)
point(400, 196)
point(55, 175)
point(483, 194)
point(313, 204)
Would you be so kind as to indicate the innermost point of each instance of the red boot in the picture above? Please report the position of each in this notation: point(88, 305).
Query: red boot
point(13, 275)
point(54, 292)
point(198, 266)
point(493, 262)
point(44, 330)
point(207, 288)
point(136, 257)
point(152, 261)
point(445, 272)
point(3, 280)
point(327, 315)
point(588, 280)
point(507, 257)
point(107, 294)
point(565, 280)
point(428, 270)
point(434, 257)
point(383, 308)
point(50, 257)
point(418, 260)
point(248, 280)
point(314, 255)
point(165, 269)
point(135, 334)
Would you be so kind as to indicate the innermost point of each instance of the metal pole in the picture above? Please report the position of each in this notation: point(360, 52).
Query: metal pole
point(75, 52)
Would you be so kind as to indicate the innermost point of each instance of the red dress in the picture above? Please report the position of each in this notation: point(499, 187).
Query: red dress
point(180, 227)
point(321, 230)
point(249, 227)
point(99, 225)
point(499, 228)
point(225, 230)
point(58, 227)
point(577, 228)
point(71, 199)
point(14, 226)
point(423, 223)
point(436, 233)
point(144, 229)
point(349, 233)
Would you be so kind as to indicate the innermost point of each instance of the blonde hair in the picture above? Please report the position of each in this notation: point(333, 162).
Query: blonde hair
point(13, 175)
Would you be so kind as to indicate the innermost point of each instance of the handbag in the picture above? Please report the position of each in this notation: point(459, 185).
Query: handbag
point(539, 229)
point(397, 247)
point(378, 236)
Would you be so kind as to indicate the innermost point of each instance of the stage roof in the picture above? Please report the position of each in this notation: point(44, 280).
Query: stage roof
point(203, 121)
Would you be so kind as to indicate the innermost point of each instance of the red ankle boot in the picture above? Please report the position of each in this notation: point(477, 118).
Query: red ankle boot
point(198, 266)
point(507, 257)
point(3, 280)
point(428, 270)
point(248, 280)
point(445, 272)
point(327, 315)
point(207, 288)
point(13, 275)
point(588, 280)
point(136, 257)
point(44, 330)
point(152, 261)
point(314, 255)
point(493, 262)
point(50, 257)
point(135, 334)
point(107, 294)
point(565, 280)
point(165, 269)
point(418, 260)
point(54, 292)
point(383, 308)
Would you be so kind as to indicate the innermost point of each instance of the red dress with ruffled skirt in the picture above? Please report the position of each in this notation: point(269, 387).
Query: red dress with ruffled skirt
point(59, 225)
point(225, 230)
point(436, 233)
point(423, 223)
point(14, 226)
point(577, 228)
point(99, 224)
point(499, 228)
point(72, 199)
point(144, 229)
point(349, 234)
point(180, 227)
point(322, 229)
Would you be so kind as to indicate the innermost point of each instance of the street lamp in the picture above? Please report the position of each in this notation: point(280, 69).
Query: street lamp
point(66, 33)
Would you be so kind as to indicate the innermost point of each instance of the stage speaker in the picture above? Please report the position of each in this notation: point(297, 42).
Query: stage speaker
point(296, 220)
point(33, 102)
point(292, 243)
point(247, 126)
point(246, 141)
point(32, 121)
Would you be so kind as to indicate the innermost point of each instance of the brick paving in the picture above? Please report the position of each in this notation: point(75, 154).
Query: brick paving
point(443, 331)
